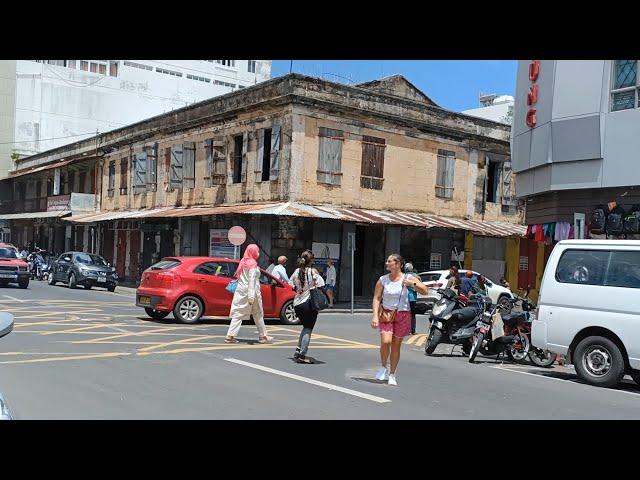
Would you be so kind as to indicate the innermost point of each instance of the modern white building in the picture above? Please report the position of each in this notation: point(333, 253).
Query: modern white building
point(48, 103)
point(494, 107)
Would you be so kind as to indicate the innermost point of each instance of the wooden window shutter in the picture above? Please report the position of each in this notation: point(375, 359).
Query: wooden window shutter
point(177, 153)
point(245, 147)
point(219, 174)
point(259, 156)
point(152, 167)
point(275, 153)
point(208, 155)
point(372, 168)
point(188, 164)
point(140, 171)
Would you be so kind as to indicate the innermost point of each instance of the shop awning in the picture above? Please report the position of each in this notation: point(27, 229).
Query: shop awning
point(18, 216)
point(49, 166)
point(295, 209)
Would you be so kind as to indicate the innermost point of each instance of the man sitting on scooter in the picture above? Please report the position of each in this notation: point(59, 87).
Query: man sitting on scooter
point(467, 284)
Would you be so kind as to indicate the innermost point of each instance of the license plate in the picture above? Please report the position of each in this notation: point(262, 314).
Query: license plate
point(8, 275)
point(101, 280)
point(145, 300)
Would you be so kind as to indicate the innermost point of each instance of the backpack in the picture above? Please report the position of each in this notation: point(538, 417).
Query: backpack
point(615, 221)
point(632, 220)
point(598, 220)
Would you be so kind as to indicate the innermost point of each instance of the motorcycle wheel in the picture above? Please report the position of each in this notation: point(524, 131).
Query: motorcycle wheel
point(542, 358)
point(519, 355)
point(466, 347)
point(478, 338)
point(432, 342)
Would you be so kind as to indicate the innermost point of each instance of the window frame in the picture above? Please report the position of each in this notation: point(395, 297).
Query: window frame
point(583, 251)
point(634, 88)
point(111, 182)
point(230, 270)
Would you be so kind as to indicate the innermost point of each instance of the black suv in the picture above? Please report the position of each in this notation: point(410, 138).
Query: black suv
point(86, 269)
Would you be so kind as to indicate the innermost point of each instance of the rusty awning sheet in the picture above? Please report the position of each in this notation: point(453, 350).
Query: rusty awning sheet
point(34, 215)
point(330, 212)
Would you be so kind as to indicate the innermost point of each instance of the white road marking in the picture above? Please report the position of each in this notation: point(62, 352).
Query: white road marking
point(566, 381)
point(13, 298)
point(329, 386)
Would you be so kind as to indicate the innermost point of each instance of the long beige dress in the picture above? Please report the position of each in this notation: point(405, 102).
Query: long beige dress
point(241, 309)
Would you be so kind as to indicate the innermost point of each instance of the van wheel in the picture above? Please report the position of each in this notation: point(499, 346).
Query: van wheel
point(188, 310)
point(598, 361)
point(51, 280)
point(288, 314)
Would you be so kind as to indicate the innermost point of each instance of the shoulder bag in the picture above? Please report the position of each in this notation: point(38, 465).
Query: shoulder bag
point(389, 316)
point(317, 298)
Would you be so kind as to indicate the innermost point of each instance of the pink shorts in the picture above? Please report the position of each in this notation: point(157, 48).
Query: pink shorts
point(401, 327)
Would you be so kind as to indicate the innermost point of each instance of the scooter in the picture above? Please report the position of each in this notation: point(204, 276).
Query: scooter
point(488, 339)
point(452, 321)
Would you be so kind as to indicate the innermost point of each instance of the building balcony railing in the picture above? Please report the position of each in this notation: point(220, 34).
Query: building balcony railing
point(70, 201)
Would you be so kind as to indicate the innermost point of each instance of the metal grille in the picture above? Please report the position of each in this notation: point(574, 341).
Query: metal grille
point(623, 100)
point(7, 268)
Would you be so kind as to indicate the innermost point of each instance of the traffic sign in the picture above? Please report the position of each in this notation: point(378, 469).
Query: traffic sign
point(237, 235)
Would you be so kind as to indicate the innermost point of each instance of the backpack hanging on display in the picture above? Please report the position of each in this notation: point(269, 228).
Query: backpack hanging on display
point(598, 220)
point(632, 221)
point(615, 221)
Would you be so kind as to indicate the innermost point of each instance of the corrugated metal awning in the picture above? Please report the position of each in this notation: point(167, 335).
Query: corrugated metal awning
point(18, 216)
point(295, 209)
point(48, 166)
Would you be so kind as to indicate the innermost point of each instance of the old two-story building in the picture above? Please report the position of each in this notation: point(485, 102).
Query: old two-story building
point(300, 163)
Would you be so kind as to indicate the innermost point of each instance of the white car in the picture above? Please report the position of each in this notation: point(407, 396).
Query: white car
point(438, 279)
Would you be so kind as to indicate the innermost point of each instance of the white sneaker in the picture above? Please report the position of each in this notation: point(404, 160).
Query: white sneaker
point(392, 380)
point(381, 374)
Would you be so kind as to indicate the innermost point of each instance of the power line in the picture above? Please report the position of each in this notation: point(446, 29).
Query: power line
point(48, 139)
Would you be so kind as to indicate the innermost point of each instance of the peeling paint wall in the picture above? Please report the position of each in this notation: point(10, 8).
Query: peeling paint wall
point(7, 114)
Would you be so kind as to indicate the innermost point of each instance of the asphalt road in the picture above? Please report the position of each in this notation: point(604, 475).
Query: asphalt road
point(77, 354)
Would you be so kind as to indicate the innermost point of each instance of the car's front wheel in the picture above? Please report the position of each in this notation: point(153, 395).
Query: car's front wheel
point(51, 280)
point(188, 309)
point(23, 283)
point(288, 314)
point(72, 280)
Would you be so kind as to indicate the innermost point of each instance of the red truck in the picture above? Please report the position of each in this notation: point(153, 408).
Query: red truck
point(13, 269)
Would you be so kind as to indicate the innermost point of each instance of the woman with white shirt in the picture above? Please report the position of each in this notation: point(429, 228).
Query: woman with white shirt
point(304, 279)
point(331, 281)
point(391, 293)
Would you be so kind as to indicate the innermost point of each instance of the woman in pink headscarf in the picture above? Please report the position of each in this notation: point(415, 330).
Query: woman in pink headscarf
point(247, 300)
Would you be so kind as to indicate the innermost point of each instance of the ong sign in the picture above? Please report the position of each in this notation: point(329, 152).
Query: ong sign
point(532, 95)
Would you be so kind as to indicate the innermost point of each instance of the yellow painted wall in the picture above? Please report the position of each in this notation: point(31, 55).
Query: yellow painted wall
point(512, 258)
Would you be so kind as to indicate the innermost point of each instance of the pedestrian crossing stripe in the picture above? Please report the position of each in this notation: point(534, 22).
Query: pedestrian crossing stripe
point(417, 340)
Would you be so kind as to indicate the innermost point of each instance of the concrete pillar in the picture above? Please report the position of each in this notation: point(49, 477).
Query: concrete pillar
point(468, 251)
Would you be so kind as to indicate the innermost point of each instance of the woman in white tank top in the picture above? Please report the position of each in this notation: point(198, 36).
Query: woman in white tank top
point(392, 294)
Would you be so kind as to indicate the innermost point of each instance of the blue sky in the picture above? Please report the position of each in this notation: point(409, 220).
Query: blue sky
point(452, 84)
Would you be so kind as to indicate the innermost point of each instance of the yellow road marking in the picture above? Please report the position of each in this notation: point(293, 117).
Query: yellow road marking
point(80, 329)
point(123, 335)
point(74, 357)
point(184, 340)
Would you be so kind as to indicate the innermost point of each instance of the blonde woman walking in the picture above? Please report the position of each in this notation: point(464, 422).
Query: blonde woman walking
point(247, 299)
point(391, 294)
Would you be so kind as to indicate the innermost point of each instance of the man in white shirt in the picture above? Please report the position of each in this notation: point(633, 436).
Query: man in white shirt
point(331, 281)
point(279, 271)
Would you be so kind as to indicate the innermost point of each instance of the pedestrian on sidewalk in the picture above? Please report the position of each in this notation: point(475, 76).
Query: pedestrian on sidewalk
point(304, 279)
point(391, 294)
point(247, 299)
point(331, 281)
point(413, 296)
point(279, 271)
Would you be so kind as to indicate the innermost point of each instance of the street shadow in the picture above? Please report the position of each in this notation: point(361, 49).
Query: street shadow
point(314, 361)
point(369, 380)
point(625, 385)
point(204, 321)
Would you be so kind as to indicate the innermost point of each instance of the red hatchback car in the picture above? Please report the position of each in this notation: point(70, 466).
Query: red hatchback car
point(192, 287)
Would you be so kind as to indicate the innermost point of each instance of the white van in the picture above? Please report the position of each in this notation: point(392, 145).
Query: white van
point(589, 308)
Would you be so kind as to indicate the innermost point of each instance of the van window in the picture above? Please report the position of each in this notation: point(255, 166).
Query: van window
point(584, 267)
point(624, 270)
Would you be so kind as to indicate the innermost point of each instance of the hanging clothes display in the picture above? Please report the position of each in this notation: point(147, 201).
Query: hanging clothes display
point(562, 231)
point(539, 233)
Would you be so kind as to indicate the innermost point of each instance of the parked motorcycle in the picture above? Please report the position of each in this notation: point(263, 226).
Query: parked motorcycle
point(494, 335)
point(452, 321)
point(537, 356)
